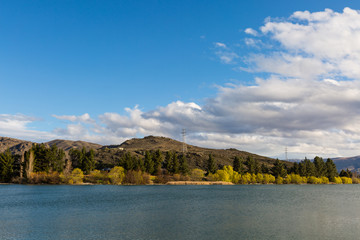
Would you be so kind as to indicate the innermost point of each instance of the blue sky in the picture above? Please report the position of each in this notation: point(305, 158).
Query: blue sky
point(105, 71)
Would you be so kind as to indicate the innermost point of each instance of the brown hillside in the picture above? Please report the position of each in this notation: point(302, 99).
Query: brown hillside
point(197, 156)
point(16, 146)
point(66, 145)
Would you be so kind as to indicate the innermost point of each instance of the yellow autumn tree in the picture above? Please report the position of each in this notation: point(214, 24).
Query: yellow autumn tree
point(117, 175)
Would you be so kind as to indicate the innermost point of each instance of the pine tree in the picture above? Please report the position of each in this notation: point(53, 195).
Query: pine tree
point(176, 164)
point(184, 168)
point(236, 164)
point(168, 162)
point(211, 167)
point(88, 162)
point(264, 168)
point(148, 163)
point(320, 167)
point(295, 168)
point(6, 166)
point(158, 160)
point(278, 170)
point(310, 168)
point(250, 163)
point(331, 170)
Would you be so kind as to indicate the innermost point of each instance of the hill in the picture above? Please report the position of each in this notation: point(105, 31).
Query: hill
point(66, 145)
point(16, 146)
point(351, 163)
point(196, 156)
point(108, 156)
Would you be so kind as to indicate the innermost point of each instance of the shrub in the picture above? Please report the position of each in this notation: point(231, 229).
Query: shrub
point(245, 178)
point(356, 180)
point(337, 180)
point(137, 177)
point(227, 174)
point(346, 180)
point(295, 179)
point(314, 180)
point(76, 176)
point(44, 178)
point(259, 178)
point(324, 180)
point(117, 175)
point(268, 178)
point(279, 180)
point(197, 174)
point(97, 177)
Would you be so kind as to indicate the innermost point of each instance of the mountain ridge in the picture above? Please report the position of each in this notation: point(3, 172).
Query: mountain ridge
point(110, 155)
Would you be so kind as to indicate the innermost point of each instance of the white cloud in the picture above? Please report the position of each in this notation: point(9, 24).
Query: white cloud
point(251, 31)
point(220, 45)
point(224, 53)
point(85, 118)
point(326, 37)
point(227, 57)
point(17, 126)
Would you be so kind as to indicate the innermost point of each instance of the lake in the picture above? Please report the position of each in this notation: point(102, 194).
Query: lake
point(180, 212)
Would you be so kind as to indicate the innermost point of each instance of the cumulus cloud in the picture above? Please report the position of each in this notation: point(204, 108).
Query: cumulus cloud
point(18, 126)
point(85, 118)
point(328, 39)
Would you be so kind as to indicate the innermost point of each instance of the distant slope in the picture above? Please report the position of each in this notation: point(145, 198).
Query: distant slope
point(66, 145)
point(351, 163)
point(196, 156)
point(16, 146)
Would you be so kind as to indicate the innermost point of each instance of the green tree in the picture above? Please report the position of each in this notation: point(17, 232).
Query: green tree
point(346, 173)
point(237, 165)
point(127, 161)
point(184, 167)
point(211, 166)
point(158, 160)
point(264, 168)
point(295, 168)
point(310, 168)
point(278, 170)
point(6, 166)
point(138, 164)
point(149, 163)
point(302, 169)
point(76, 158)
point(88, 162)
point(320, 167)
point(251, 165)
point(176, 165)
point(168, 162)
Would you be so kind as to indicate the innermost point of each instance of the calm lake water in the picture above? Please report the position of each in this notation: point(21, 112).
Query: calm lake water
point(180, 212)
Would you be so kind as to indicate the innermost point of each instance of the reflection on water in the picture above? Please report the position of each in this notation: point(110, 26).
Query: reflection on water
point(180, 212)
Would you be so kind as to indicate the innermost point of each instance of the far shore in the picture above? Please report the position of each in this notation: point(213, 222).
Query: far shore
point(199, 183)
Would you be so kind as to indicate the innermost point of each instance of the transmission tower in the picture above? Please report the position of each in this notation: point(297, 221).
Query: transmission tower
point(184, 147)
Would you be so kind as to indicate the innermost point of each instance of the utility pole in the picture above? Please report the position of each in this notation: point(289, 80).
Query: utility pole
point(184, 147)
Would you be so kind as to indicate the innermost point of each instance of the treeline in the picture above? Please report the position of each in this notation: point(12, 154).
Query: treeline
point(314, 172)
point(43, 164)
